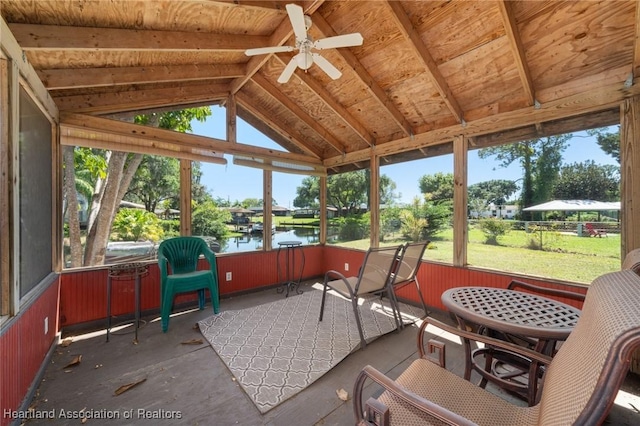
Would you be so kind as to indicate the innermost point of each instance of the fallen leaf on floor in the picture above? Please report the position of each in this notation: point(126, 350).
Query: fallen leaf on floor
point(122, 389)
point(75, 361)
point(66, 342)
point(192, 342)
point(343, 394)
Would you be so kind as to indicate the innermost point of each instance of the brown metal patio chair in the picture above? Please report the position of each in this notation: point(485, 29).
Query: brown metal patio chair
point(580, 382)
point(373, 278)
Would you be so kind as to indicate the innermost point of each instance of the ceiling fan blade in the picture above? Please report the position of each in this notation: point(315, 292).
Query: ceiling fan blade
point(346, 40)
point(326, 66)
point(265, 50)
point(296, 16)
point(288, 71)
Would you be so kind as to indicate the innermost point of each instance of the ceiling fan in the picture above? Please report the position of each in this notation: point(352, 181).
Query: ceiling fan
point(305, 45)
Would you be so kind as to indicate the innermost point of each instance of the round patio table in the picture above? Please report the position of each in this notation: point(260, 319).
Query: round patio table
point(510, 314)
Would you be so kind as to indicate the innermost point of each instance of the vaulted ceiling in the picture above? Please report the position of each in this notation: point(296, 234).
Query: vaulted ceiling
point(427, 71)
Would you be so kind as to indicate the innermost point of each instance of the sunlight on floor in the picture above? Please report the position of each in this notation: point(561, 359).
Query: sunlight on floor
point(125, 328)
point(628, 401)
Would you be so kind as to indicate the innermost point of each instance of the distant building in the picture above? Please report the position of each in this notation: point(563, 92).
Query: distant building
point(505, 211)
point(275, 210)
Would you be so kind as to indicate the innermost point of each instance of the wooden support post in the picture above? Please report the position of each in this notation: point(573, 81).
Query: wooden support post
point(460, 201)
point(630, 178)
point(185, 197)
point(374, 199)
point(630, 186)
point(5, 190)
point(231, 119)
point(323, 210)
point(267, 220)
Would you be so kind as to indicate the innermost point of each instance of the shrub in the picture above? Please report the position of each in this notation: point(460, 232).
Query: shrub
point(412, 227)
point(353, 227)
point(136, 225)
point(493, 229)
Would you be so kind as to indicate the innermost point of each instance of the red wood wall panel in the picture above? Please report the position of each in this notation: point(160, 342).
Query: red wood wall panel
point(83, 293)
point(24, 346)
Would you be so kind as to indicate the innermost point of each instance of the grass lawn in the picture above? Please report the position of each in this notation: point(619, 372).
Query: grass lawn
point(565, 257)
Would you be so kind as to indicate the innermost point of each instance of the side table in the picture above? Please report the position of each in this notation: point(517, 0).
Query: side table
point(288, 276)
point(124, 272)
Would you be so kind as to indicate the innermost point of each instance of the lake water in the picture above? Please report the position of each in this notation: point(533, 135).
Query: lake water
point(252, 242)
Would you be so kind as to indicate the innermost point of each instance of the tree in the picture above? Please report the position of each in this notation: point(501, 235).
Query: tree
point(209, 220)
point(437, 187)
point(308, 193)
point(540, 160)
point(608, 142)
point(493, 191)
point(345, 191)
point(157, 179)
point(251, 202)
point(89, 166)
point(199, 192)
point(589, 181)
point(110, 189)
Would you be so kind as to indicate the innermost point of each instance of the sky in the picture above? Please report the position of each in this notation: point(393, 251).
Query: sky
point(238, 183)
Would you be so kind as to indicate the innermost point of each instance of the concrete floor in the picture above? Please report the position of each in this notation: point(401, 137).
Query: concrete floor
point(189, 384)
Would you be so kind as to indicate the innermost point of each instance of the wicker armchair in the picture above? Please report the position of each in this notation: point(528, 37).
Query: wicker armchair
point(632, 261)
point(580, 383)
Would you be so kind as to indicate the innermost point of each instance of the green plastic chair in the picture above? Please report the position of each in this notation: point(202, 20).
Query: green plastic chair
point(178, 261)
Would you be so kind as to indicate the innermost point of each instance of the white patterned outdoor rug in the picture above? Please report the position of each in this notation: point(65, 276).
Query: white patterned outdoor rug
point(277, 349)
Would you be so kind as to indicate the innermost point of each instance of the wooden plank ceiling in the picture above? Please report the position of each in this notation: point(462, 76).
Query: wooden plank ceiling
point(494, 71)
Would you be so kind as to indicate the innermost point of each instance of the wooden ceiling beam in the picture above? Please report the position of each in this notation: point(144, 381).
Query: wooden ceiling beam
point(134, 100)
point(261, 81)
point(286, 131)
point(603, 98)
point(255, 4)
point(65, 78)
point(60, 38)
point(415, 42)
point(279, 37)
point(511, 29)
point(97, 127)
point(14, 51)
point(372, 86)
point(574, 124)
point(329, 101)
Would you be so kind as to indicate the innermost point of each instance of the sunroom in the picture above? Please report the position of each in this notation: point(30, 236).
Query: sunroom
point(430, 83)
